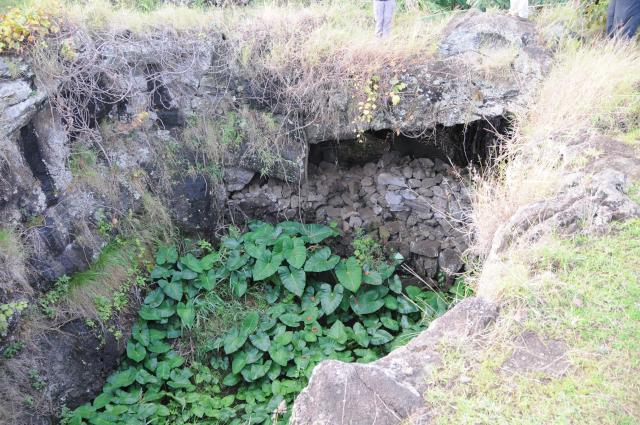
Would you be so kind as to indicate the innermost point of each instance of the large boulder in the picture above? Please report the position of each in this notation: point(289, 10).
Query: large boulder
point(487, 65)
point(388, 390)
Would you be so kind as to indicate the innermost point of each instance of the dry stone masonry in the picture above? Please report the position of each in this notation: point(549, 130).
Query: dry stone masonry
point(414, 206)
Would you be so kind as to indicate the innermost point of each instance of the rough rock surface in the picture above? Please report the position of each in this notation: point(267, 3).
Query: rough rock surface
point(390, 389)
point(586, 201)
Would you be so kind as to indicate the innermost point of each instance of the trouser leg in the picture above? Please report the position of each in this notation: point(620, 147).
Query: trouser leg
point(389, 9)
point(520, 8)
point(630, 27)
point(378, 13)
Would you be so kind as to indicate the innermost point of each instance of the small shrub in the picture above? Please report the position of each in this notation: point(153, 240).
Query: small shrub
point(58, 292)
point(20, 27)
point(8, 310)
point(12, 349)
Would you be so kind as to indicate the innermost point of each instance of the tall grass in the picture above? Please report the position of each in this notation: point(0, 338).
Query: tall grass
point(586, 88)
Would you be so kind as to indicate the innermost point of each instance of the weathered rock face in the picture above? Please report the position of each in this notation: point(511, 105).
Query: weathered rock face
point(149, 135)
point(390, 389)
point(486, 66)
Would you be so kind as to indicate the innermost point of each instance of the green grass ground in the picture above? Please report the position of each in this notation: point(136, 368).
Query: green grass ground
point(584, 291)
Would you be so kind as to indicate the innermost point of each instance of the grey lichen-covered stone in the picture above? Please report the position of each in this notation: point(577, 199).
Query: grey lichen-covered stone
point(585, 203)
point(237, 178)
point(390, 179)
point(388, 390)
point(426, 248)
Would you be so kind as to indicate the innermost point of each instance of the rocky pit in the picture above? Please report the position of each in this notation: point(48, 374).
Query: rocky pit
point(405, 181)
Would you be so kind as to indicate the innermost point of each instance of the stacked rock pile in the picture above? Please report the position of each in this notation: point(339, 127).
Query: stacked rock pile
point(416, 206)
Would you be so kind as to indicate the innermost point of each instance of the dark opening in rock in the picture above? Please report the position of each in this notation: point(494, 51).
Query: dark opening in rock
point(461, 144)
point(30, 148)
point(169, 116)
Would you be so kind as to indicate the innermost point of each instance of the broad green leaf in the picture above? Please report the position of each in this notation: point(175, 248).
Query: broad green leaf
point(207, 280)
point(349, 274)
point(310, 315)
point(330, 299)
point(266, 266)
point(390, 303)
point(239, 362)
point(173, 289)
point(154, 298)
point(280, 354)
point(256, 371)
point(250, 323)
point(255, 251)
point(366, 302)
point(293, 279)
point(338, 332)
point(230, 380)
point(140, 332)
point(405, 306)
point(296, 254)
point(143, 377)
point(261, 341)
point(159, 347)
point(186, 312)
point(101, 401)
point(413, 292)
point(209, 260)
point(166, 309)
point(290, 319)
point(149, 313)
point(235, 261)
point(123, 379)
point(174, 359)
point(167, 255)
point(395, 285)
point(291, 227)
point(360, 335)
point(321, 261)
point(234, 340)
point(380, 337)
point(365, 355)
point(192, 262)
point(136, 351)
point(389, 323)
point(163, 370)
point(284, 338)
point(161, 273)
point(314, 233)
point(238, 284)
point(372, 278)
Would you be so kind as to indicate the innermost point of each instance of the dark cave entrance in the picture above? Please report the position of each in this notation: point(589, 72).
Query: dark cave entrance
point(461, 145)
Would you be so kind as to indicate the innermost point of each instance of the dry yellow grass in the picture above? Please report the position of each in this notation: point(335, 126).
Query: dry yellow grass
point(587, 86)
point(13, 270)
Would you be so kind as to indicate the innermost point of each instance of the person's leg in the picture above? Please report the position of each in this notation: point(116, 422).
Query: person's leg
point(523, 11)
point(378, 13)
point(630, 27)
point(389, 9)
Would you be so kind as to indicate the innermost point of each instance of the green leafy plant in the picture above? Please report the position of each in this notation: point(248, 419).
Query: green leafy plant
point(59, 290)
point(8, 310)
point(317, 306)
point(12, 349)
point(36, 380)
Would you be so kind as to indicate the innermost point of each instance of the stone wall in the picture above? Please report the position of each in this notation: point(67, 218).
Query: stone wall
point(414, 206)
